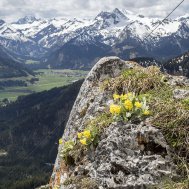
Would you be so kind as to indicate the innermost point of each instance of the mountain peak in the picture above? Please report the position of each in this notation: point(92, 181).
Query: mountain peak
point(182, 18)
point(114, 17)
point(119, 13)
point(2, 22)
point(102, 14)
point(27, 19)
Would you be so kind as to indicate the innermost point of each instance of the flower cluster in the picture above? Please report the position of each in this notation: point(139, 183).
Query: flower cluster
point(88, 136)
point(68, 146)
point(60, 141)
point(129, 106)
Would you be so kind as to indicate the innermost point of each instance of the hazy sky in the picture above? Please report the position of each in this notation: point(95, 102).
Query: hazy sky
point(11, 10)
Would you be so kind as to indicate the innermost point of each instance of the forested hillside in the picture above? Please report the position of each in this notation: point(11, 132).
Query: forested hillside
point(29, 133)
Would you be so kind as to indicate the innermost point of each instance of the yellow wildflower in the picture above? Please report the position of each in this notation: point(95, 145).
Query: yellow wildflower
point(83, 141)
point(146, 112)
point(115, 109)
point(79, 135)
point(138, 104)
point(87, 134)
point(123, 96)
point(128, 105)
point(130, 95)
point(60, 141)
point(116, 96)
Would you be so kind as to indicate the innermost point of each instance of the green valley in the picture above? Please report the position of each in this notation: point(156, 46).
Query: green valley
point(45, 79)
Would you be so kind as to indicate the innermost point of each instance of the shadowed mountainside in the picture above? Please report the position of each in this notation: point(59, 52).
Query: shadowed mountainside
point(29, 133)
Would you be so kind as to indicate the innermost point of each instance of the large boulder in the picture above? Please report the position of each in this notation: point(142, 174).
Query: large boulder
point(128, 155)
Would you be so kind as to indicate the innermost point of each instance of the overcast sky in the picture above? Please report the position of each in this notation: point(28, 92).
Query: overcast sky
point(11, 10)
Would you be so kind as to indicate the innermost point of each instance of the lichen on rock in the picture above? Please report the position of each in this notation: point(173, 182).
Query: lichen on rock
point(128, 154)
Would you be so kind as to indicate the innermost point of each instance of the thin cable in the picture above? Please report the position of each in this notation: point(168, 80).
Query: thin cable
point(164, 19)
point(159, 23)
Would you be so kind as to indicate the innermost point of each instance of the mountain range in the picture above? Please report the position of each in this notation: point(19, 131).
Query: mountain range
point(78, 43)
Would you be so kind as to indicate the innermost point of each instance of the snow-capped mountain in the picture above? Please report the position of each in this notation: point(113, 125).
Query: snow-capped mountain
point(27, 20)
point(119, 32)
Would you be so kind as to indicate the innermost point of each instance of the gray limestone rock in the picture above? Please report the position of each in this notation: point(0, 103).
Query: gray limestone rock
point(131, 156)
point(180, 93)
point(178, 80)
point(128, 156)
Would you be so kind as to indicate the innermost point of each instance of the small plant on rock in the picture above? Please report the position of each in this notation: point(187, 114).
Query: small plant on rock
point(67, 148)
point(185, 103)
point(89, 136)
point(129, 107)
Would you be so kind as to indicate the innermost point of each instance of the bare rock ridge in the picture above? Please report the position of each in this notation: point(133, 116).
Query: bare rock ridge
point(127, 156)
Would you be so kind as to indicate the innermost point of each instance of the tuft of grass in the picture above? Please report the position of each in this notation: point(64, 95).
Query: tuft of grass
point(88, 183)
point(101, 121)
point(185, 103)
point(70, 180)
point(138, 80)
point(172, 117)
point(74, 154)
point(81, 182)
point(170, 184)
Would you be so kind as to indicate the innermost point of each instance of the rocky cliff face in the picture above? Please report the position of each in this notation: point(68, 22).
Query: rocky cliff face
point(128, 154)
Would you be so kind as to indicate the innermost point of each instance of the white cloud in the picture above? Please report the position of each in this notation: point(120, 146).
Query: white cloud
point(13, 9)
